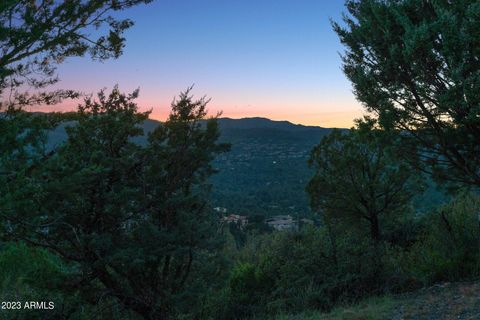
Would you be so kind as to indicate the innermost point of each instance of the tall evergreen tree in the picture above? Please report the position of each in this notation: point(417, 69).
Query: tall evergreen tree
point(415, 63)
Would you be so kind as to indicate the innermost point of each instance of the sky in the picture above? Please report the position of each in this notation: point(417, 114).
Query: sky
point(278, 59)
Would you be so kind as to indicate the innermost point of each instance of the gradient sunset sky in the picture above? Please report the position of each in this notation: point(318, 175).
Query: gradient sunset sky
point(268, 58)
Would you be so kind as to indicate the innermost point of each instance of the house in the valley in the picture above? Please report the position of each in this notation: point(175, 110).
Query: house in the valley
point(281, 222)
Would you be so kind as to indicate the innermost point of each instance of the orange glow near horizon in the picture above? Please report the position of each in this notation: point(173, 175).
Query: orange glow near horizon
point(340, 116)
point(265, 62)
point(333, 119)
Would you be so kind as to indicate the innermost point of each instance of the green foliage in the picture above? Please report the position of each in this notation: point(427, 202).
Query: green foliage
point(238, 235)
point(265, 172)
point(30, 275)
point(291, 272)
point(414, 63)
point(34, 274)
point(247, 288)
point(449, 249)
point(321, 268)
point(131, 218)
point(444, 248)
point(359, 179)
point(37, 35)
point(20, 265)
point(248, 182)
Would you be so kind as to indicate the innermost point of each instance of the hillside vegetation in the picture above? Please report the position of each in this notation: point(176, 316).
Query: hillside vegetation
point(266, 170)
point(105, 214)
point(443, 301)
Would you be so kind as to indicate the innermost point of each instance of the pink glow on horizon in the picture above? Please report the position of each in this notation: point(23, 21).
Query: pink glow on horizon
point(339, 117)
point(263, 61)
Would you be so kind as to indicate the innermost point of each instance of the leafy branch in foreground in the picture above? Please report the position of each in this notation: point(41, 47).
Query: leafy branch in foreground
point(35, 36)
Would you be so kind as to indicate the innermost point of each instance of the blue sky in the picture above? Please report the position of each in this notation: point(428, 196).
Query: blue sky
point(276, 59)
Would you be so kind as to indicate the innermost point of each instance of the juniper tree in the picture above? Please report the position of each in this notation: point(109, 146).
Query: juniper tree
point(358, 178)
point(35, 36)
point(131, 219)
point(415, 64)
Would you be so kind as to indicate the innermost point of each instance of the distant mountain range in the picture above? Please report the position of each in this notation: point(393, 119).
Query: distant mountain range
point(266, 170)
point(258, 122)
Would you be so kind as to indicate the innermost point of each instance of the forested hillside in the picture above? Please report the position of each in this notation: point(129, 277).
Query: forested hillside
point(265, 171)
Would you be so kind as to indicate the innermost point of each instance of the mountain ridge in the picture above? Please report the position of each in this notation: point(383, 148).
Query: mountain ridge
point(264, 173)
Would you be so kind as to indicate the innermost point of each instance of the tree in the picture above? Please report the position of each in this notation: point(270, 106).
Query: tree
point(132, 219)
point(358, 178)
point(415, 64)
point(35, 36)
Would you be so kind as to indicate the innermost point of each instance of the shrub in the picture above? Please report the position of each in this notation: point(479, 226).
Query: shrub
point(449, 249)
point(246, 291)
point(309, 269)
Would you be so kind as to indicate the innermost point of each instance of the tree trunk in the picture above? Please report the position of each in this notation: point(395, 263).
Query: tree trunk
point(375, 228)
